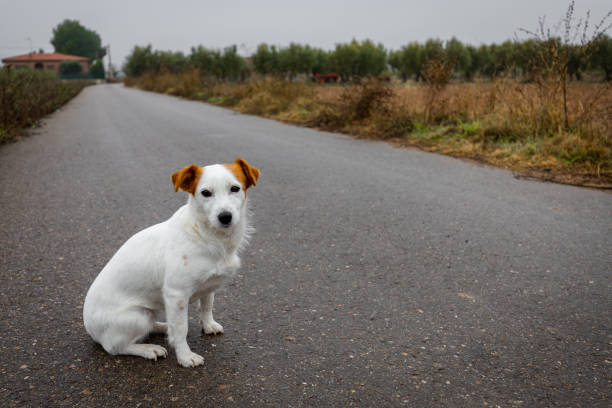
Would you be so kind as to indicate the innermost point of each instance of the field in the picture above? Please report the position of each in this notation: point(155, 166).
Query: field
point(506, 123)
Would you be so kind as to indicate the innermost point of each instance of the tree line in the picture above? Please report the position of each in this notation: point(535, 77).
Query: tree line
point(366, 58)
point(224, 64)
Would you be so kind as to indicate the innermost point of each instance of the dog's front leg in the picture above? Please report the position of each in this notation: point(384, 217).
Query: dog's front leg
point(176, 312)
point(208, 324)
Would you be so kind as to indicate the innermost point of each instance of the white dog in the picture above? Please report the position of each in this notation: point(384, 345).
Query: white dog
point(167, 265)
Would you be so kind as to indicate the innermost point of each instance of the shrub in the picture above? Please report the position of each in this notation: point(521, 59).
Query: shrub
point(437, 73)
point(360, 101)
point(27, 95)
point(97, 70)
point(70, 67)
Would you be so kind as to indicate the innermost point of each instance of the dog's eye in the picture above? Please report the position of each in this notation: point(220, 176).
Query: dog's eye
point(235, 189)
point(206, 193)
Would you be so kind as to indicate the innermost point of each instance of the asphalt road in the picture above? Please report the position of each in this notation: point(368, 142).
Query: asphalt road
point(377, 276)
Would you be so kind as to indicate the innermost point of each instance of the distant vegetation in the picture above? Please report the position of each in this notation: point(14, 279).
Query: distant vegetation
point(70, 37)
point(70, 67)
point(27, 95)
point(520, 104)
point(215, 64)
point(517, 59)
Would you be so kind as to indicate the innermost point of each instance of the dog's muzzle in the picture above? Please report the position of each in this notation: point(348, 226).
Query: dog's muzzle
point(225, 218)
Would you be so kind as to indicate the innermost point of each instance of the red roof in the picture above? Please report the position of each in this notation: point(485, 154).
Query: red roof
point(34, 57)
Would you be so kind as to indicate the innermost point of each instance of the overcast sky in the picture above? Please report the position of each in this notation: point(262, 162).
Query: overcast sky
point(177, 25)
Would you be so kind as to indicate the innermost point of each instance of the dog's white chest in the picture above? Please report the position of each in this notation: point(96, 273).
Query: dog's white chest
point(213, 276)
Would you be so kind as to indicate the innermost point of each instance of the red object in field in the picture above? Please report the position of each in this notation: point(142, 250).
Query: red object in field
point(326, 78)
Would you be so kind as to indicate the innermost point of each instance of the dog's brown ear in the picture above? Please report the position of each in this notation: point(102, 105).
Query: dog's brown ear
point(187, 178)
point(251, 174)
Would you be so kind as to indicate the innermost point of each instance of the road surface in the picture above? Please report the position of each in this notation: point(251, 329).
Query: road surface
point(377, 276)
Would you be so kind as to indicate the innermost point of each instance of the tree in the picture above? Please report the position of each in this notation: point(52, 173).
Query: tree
point(139, 61)
point(458, 55)
point(265, 59)
point(433, 50)
point(485, 56)
point(298, 59)
point(602, 55)
point(174, 62)
point(70, 37)
point(321, 62)
point(97, 70)
point(524, 56)
point(343, 59)
point(290, 61)
point(476, 62)
point(395, 62)
point(576, 61)
point(371, 59)
point(205, 60)
point(231, 65)
point(497, 58)
point(354, 58)
point(408, 60)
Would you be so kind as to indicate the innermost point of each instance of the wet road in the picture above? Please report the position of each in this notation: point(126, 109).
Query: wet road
point(377, 276)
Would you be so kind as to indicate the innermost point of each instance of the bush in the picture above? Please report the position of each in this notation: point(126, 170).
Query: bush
point(363, 99)
point(70, 68)
point(437, 73)
point(27, 95)
point(139, 61)
point(97, 70)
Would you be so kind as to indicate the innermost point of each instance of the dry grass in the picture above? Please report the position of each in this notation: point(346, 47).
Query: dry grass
point(270, 97)
point(505, 123)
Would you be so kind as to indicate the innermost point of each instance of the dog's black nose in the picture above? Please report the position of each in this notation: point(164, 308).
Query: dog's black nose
point(225, 217)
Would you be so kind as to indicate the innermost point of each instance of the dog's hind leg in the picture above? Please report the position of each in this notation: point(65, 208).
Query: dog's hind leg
point(126, 329)
point(160, 328)
point(150, 351)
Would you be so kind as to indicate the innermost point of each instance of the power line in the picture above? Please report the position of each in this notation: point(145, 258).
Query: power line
point(24, 47)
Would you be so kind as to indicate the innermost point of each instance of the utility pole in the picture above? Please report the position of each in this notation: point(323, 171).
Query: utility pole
point(110, 65)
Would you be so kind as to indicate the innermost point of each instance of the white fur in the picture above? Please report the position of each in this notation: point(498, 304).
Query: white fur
point(167, 266)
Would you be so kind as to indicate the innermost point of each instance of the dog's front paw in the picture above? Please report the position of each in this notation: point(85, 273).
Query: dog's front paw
point(190, 359)
point(211, 327)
